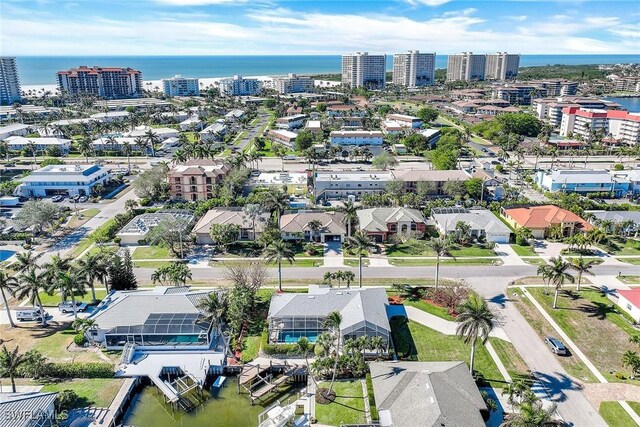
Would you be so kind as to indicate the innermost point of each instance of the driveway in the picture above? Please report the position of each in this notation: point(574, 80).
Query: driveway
point(333, 255)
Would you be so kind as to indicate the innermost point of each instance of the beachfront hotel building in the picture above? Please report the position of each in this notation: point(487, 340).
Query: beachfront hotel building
point(466, 66)
point(239, 86)
point(292, 83)
point(363, 70)
point(501, 66)
point(106, 82)
point(413, 69)
point(180, 86)
point(621, 125)
point(9, 81)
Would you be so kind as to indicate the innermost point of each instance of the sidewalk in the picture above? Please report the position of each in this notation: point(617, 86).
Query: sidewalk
point(444, 326)
point(508, 255)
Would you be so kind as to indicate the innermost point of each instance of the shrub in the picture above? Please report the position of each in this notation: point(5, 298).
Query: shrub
point(144, 201)
point(618, 167)
point(66, 400)
point(80, 370)
point(79, 339)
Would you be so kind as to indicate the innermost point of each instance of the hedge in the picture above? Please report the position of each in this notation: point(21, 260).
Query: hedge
point(373, 411)
point(79, 370)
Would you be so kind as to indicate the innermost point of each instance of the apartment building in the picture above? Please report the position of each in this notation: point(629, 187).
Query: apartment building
point(292, 83)
point(628, 84)
point(583, 182)
point(282, 136)
point(559, 87)
point(363, 70)
point(550, 109)
point(41, 145)
point(341, 184)
point(239, 86)
point(517, 94)
point(106, 82)
point(466, 66)
point(181, 86)
point(9, 81)
point(195, 179)
point(413, 69)
point(405, 120)
point(291, 122)
point(502, 66)
point(356, 137)
point(621, 125)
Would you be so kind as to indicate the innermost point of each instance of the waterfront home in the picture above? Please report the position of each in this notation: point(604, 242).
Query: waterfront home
point(583, 182)
point(160, 318)
point(295, 315)
point(482, 222)
point(380, 223)
point(136, 231)
point(541, 219)
point(249, 230)
point(426, 394)
point(295, 226)
point(62, 179)
point(41, 145)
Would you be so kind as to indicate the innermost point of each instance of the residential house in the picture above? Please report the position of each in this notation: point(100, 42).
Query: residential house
point(137, 230)
point(426, 394)
point(28, 409)
point(583, 182)
point(540, 219)
point(482, 222)
point(380, 223)
point(295, 226)
point(294, 315)
point(629, 301)
point(195, 179)
point(229, 216)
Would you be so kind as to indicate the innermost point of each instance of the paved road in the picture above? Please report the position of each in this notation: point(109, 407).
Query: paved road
point(253, 131)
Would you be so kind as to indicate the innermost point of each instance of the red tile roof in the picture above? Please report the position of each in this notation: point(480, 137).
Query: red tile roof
point(632, 295)
point(536, 217)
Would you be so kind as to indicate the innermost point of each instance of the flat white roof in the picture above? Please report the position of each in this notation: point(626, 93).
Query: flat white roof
point(355, 176)
point(285, 133)
point(280, 178)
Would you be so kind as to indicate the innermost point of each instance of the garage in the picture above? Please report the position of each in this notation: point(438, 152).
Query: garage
point(332, 238)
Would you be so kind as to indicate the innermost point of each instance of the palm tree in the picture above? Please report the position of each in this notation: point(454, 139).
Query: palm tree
point(442, 246)
point(558, 275)
point(84, 325)
point(581, 266)
point(279, 251)
point(126, 150)
point(214, 307)
point(142, 144)
point(304, 346)
point(631, 360)
point(254, 213)
point(315, 226)
point(130, 205)
point(276, 201)
point(350, 215)
point(25, 260)
point(54, 269)
point(30, 284)
point(7, 286)
point(475, 320)
point(72, 283)
point(531, 413)
point(153, 139)
point(348, 277)
point(10, 361)
point(332, 323)
point(93, 267)
point(85, 146)
point(360, 242)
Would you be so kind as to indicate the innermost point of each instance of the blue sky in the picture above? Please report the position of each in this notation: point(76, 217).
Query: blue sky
point(208, 27)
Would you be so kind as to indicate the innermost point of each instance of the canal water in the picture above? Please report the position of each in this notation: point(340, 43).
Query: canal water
point(227, 409)
point(631, 104)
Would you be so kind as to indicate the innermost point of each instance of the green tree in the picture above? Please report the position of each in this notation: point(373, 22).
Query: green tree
point(304, 140)
point(581, 266)
point(38, 215)
point(442, 247)
point(214, 307)
point(384, 161)
point(475, 320)
point(416, 142)
point(277, 252)
point(152, 184)
point(360, 242)
point(174, 274)
point(333, 323)
point(10, 362)
point(72, 283)
point(556, 273)
point(173, 233)
point(350, 217)
point(427, 114)
point(121, 276)
point(631, 360)
point(30, 284)
point(94, 267)
point(224, 234)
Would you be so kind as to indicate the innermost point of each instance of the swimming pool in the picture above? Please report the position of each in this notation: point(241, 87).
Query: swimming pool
point(5, 254)
point(293, 337)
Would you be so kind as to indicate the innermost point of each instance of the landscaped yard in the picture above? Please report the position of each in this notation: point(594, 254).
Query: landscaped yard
point(629, 247)
point(592, 321)
point(85, 215)
point(634, 261)
point(429, 308)
point(348, 407)
point(151, 252)
point(417, 262)
point(353, 262)
point(510, 358)
point(54, 300)
point(250, 348)
point(572, 364)
point(97, 392)
point(472, 251)
point(524, 250)
point(412, 248)
point(630, 280)
point(428, 345)
point(615, 415)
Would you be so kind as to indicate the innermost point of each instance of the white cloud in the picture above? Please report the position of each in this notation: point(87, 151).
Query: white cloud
point(198, 2)
point(519, 18)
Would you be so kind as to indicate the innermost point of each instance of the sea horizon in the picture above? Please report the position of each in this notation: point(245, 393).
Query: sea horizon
point(40, 70)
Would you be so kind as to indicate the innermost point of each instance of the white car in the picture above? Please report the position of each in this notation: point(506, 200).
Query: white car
point(67, 306)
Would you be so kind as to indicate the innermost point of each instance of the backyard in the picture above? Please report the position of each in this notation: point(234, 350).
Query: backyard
point(348, 406)
point(97, 392)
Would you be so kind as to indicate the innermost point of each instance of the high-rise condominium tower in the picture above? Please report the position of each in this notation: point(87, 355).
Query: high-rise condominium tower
point(363, 70)
point(9, 81)
point(502, 66)
point(465, 66)
point(413, 69)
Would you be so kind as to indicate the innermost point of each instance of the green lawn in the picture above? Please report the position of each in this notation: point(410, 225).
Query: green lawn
point(54, 300)
point(635, 406)
point(96, 392)
point(151, 264)
point(634, 261)
point(524, 250)
point(630, 280)
point(412, 248)
point(615, 415)
point(87, 214)
point(353, 262)
point(348, 407)
point(80, 247)
point(250, 348)
point(594, 324)
point(429, 308)
point(151, 252)
point(573, 364)
point(534, 261)
point(629, 247)
point(432, 346)
point(472, 251)
point(510, 357)
point(409, 262)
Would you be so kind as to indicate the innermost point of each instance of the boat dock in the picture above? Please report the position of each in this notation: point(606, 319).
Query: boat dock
point(264, 376)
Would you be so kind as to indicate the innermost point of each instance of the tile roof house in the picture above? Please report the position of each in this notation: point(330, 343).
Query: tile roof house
point(483, 223)
point(294, 315)
point(426, 394)
point(539, 219)
point(629, 301)
point(228, 216)
point(295, 226)
point(380, 223)
point(195, 179)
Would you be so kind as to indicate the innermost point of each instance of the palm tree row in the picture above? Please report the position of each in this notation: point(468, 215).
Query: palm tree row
point(556, 273)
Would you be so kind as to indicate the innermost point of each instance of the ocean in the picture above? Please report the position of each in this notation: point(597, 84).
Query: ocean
point(40, 70)
point(631, 104)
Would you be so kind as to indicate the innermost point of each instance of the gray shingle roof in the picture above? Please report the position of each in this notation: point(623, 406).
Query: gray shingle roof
point(27, 407)
point(427, 394)
point(616, 216)
point(229, 216)
point(299, 222)
point(355, 305)
point(376, 219)
point(478, 219)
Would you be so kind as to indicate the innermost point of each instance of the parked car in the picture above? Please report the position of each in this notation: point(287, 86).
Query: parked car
point(76, 197)
point(83, 199)
point(67, 306)
point(56, 199)
point(30, 314)
point(556, 346)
